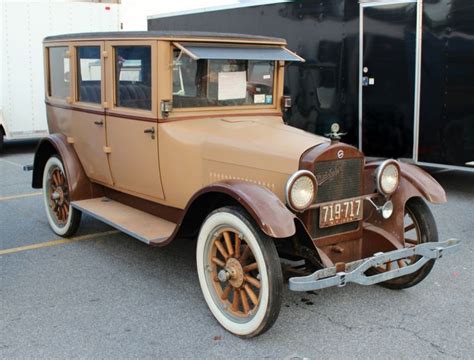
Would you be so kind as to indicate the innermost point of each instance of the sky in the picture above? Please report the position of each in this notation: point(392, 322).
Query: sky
point(134, 12)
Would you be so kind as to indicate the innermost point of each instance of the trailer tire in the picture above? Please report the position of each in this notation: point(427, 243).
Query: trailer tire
point(2, 136)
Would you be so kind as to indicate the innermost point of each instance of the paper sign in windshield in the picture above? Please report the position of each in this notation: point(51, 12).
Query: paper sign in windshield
point(232, 85)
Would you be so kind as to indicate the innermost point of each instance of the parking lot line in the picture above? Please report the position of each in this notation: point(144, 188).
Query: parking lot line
point(19, 196)
point(57, 242)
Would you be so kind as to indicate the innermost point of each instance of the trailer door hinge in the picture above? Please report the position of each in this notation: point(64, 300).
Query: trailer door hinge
point(105, 54)
point(107, 149)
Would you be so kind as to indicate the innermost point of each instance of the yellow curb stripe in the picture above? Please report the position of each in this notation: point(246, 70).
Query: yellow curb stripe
point(19, 196)
point(57, 242)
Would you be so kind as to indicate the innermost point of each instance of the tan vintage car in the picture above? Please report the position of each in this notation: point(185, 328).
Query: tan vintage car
point(170, 134)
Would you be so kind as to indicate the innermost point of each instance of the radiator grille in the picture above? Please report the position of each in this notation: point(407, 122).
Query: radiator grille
point(338, 179)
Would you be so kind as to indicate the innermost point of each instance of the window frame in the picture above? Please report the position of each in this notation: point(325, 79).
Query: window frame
point(47, 71)
point(75, 85)
point(276, 90)
point(111, 90)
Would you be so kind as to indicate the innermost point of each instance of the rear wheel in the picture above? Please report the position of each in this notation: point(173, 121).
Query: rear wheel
point(419, 227)
point(239, 272)
point(62, 217)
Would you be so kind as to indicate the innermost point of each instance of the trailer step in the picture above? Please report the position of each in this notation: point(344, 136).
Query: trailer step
point(136, 223)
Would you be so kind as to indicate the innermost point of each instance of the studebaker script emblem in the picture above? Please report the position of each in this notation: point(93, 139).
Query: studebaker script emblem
point(322, 178)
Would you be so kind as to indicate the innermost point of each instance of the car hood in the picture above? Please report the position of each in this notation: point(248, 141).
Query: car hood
point(258, 142)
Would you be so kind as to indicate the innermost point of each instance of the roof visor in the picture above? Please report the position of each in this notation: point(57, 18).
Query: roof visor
point(237, 52)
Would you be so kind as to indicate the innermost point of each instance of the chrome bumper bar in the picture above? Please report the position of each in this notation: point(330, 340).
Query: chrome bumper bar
point(355, 271)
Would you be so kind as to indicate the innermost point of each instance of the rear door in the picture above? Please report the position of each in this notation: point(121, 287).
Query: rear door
point(388, 103)
point(88, 125)
point(132, 120)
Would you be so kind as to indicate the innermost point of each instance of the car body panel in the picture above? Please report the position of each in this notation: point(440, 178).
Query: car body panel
point(199, 152)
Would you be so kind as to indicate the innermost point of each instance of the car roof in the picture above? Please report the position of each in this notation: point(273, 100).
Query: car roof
point(168, 35)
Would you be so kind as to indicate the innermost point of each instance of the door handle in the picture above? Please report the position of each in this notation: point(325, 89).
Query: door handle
point(150, 131)
point(99, 123)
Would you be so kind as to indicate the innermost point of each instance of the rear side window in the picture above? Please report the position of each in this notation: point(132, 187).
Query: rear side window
point(89, 74)
point(59, 72)
point(133, 77)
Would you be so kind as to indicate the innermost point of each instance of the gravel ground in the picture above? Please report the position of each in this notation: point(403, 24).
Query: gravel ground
point(114, 297)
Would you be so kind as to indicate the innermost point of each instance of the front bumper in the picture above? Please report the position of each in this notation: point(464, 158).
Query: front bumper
point(356, 271)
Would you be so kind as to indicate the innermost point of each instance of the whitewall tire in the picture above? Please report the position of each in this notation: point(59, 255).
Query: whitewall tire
point(239, 272)
point(62, 217)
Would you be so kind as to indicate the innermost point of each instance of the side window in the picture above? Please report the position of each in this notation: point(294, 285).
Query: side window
point(133, 77)
point(59, 72)
point(89, 74)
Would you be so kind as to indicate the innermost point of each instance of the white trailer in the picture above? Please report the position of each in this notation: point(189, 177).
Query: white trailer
point(23, 26)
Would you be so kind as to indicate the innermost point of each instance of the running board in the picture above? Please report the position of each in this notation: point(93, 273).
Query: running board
point(136, 223)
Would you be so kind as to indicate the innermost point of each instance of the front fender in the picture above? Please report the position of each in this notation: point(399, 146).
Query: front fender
point(424, 183)
point(414, 182)
point(80, 187)
point(264, 206)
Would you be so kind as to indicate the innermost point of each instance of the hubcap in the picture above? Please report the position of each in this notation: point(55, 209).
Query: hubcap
point(236, 272)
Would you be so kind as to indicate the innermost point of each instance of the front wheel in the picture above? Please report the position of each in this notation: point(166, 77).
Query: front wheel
point(62, 217)
point(419, 227)
point(239, 272)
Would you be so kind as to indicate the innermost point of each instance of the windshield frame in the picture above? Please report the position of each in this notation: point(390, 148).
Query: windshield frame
point(277, 88)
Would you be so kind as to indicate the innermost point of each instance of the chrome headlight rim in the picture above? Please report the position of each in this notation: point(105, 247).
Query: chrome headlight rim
point(379, 173)
point(289, 185)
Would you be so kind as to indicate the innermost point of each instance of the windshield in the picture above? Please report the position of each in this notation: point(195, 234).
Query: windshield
point(203, 83)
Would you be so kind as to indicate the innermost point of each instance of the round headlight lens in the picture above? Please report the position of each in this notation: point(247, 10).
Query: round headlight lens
point(388, 178)
point(301, 189)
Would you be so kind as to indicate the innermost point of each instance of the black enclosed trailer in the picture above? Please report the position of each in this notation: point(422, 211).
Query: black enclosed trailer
point(398, 76)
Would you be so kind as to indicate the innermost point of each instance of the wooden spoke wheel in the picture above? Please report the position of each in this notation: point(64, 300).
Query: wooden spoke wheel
point(63, 219)
point(239, 272)
point(419, 227)
point(235, 273)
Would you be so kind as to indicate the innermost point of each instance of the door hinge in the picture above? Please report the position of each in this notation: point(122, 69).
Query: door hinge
point(107, 149)
point(105, 54)
point(70, 140)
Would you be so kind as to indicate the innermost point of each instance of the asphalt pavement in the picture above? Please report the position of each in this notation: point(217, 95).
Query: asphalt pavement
point(109, 296)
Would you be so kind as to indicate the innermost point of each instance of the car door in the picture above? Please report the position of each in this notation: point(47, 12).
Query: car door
point(131, 119)
point(88, 125)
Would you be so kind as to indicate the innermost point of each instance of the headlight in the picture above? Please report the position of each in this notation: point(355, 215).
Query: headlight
point(301, 190)
point(388, 177)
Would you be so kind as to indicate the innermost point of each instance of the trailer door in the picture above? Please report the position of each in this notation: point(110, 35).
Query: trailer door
point(388, 88)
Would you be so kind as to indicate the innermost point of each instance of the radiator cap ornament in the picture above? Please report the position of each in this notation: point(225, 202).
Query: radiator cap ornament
point(335, 135)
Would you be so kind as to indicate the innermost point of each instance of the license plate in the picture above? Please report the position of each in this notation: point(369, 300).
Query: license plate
point(340, 212)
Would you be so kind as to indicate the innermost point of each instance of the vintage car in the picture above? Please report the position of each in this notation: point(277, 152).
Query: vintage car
point(169, 134)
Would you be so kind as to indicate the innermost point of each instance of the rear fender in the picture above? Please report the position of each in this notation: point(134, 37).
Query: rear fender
point(80, 187)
